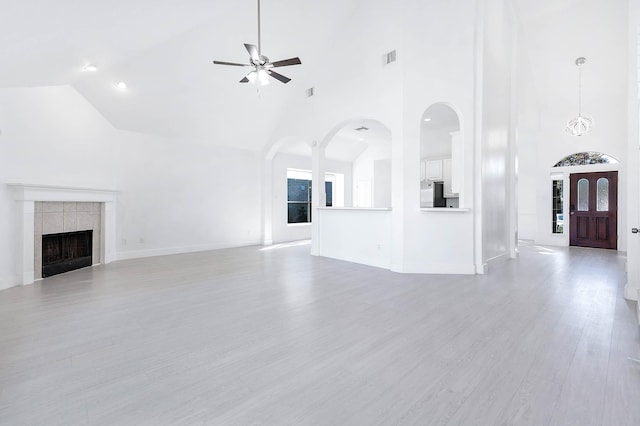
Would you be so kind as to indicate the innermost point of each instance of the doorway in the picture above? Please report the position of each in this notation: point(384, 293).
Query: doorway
point(593, 210)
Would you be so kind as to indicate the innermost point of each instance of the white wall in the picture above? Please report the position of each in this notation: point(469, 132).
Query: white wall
point(374, 166)
point(180, 196)
point(356, 235)
point(174, 195)
point(50, 136)
point(633, 153)
point(436, 143)
point(382, 183)
point(443, 34)
point(543, 143)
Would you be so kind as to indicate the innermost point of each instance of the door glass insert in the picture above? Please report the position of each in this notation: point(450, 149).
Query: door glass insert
point(583, 195)
point(602, 198)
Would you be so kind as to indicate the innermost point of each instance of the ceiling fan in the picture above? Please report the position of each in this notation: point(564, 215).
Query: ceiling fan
point(262, 68)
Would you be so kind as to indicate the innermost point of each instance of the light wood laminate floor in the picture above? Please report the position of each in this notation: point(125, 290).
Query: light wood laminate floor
point(250, 336)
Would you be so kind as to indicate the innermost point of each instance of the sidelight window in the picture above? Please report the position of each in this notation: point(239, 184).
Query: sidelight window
point(557, 207)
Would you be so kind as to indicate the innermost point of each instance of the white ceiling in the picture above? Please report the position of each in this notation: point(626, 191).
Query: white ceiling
point(163, 50)
point(559, 31)
point(348, 143)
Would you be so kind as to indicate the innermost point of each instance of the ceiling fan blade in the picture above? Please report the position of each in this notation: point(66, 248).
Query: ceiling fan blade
point(286, 62)
point(277, 76)
point(230, 63)
point(253, 52)
point(244, 80)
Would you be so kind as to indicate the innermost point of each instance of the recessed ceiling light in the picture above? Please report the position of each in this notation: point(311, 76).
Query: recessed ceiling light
point(121, 85)
point(427, 119)
point(89, 68)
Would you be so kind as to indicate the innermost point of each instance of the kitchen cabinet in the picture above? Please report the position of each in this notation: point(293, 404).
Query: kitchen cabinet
point(447, 170)
point(434, 169)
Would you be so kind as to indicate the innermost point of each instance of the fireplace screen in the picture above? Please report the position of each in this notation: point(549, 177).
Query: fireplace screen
point(66, 252)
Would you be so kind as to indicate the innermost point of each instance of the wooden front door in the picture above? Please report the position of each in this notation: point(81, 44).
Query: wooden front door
point(593, 205)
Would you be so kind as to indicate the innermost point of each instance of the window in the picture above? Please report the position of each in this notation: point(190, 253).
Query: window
point(586, 158)
point(558, 214)
point(602, 195)
point(299, 193)
point(583, 195)
point(299, 200)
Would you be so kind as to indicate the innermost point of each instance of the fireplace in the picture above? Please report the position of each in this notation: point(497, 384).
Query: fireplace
point(33, 223)
point(66, 251)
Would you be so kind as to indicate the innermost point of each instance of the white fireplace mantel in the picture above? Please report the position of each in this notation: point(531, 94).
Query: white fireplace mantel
point(27, 194)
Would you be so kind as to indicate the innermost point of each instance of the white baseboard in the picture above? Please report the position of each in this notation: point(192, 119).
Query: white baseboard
point(138, 254)
point(439, 268)
point(8, 282)
point(631, 291)
point(360, 261)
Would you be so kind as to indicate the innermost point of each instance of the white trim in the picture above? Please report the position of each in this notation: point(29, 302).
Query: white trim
point(32, 192)
point(138, 254)
point(438, 268)
point(382, 209)
point(632, 292)
point(445, 209)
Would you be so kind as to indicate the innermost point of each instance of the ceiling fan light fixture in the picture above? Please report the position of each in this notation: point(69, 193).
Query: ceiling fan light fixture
point(260, 64)
point(263, 76)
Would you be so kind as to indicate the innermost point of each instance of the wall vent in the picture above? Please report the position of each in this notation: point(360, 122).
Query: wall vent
point(390, 57)
point(310, 92)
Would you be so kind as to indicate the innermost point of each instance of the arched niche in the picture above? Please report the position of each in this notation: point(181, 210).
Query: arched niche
point(441, 157)
point(363, 147)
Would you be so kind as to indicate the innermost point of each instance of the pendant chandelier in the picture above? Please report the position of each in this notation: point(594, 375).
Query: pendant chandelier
point(581, 124)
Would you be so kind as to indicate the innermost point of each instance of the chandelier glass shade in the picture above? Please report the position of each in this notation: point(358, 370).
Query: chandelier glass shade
point(580, 124)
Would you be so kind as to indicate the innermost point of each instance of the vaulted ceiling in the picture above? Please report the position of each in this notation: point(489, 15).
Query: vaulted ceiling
point(163, 50)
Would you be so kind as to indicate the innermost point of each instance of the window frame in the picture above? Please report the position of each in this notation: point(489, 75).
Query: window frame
point(306, 176)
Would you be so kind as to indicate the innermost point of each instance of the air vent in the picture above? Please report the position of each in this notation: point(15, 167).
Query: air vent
point(310, 92)
point(390, 57)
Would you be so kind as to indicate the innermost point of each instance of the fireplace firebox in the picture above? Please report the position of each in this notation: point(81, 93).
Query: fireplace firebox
point(66, 251)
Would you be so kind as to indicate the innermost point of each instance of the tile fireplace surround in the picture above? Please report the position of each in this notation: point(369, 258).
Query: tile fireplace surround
point(32, 200)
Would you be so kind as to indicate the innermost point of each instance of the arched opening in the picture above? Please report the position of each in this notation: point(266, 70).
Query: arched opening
point(360, 231)
point(441, 157)
point(362, 146)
